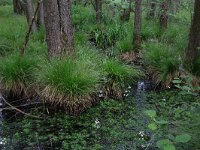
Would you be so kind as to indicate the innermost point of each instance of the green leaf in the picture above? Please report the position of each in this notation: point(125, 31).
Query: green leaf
point(162, 143)
point(186, 88)
point(169, 147)
point(183, 138)
point(152, 126)
point(150, 113)
point(162, 122)
point(176, 81)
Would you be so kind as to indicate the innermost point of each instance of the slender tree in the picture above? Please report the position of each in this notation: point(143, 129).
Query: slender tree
point(164, 7)
point(98, 9)
point(17, 7)
point(30, 14)
point(194, 37)
point(59, 31)
point(152, 10)
point(126, 12)
point(137, 24)
point(40, 16)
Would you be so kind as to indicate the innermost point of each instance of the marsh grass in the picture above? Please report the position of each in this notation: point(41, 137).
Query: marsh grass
point(17, 73)
point(118, 75)
point(69, 83)
point(163, 62)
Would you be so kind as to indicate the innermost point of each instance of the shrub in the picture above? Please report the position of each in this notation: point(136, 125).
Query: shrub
point(118, 75)
point(69, 83)
point(163, 62)
point(17, 72)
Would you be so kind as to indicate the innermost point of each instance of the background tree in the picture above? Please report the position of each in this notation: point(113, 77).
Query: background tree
point(40, 17)
point(98, 9)
point(164, 7)
point(30, 13)
point(137, 24)
point(18, 7)
point(152, 11)
point(194, 37)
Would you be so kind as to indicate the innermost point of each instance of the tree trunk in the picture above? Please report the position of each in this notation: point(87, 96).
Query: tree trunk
point(98, 8)
point(30, 14)
point(152, 10)
point(59, 31)
point(137, 24)
point(40, 17)
point(53, 28)
point(126, 12)
point(17, 7)
point(194, 37)
point(66, 25)
point(164, 7)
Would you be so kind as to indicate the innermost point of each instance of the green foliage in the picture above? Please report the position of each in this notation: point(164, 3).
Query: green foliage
point(185, 84)
point(17, 70)
point(165, 144)
point(115, 71)
point(70, 76)
point(5, 2)
point(82, 17)
point(125, 45)
point(162, 59)
point(106, 36)
point(11, 37)
point(174, 32)
point(150, 30)
point(183, 138)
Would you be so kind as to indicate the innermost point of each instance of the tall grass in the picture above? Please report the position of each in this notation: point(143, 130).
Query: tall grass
point(163, 62)
point(117, 76)
point(69, 83)
point(17, 72)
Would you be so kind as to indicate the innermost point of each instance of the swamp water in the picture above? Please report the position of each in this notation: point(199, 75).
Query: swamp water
point(112, 125)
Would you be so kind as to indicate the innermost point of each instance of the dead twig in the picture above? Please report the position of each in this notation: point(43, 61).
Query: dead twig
point(18, 110)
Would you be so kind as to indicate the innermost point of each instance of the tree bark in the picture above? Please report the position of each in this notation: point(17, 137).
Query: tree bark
point(40, 17)
point(66, 26)
point(53, 28)
point(137, 24)
point(152, 10)
point(164, 7)
point(17, 7)
point(98, 8)
point(30, 14)
point(59, 30)
point(126, 12)
point(194, 37)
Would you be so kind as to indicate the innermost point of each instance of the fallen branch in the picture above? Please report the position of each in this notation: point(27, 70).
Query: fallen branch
point(24, 113)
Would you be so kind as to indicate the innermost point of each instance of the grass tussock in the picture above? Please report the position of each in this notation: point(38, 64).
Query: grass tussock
point(118, 75)
point(69, 83)
point(162, 61)
point(17, 72)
